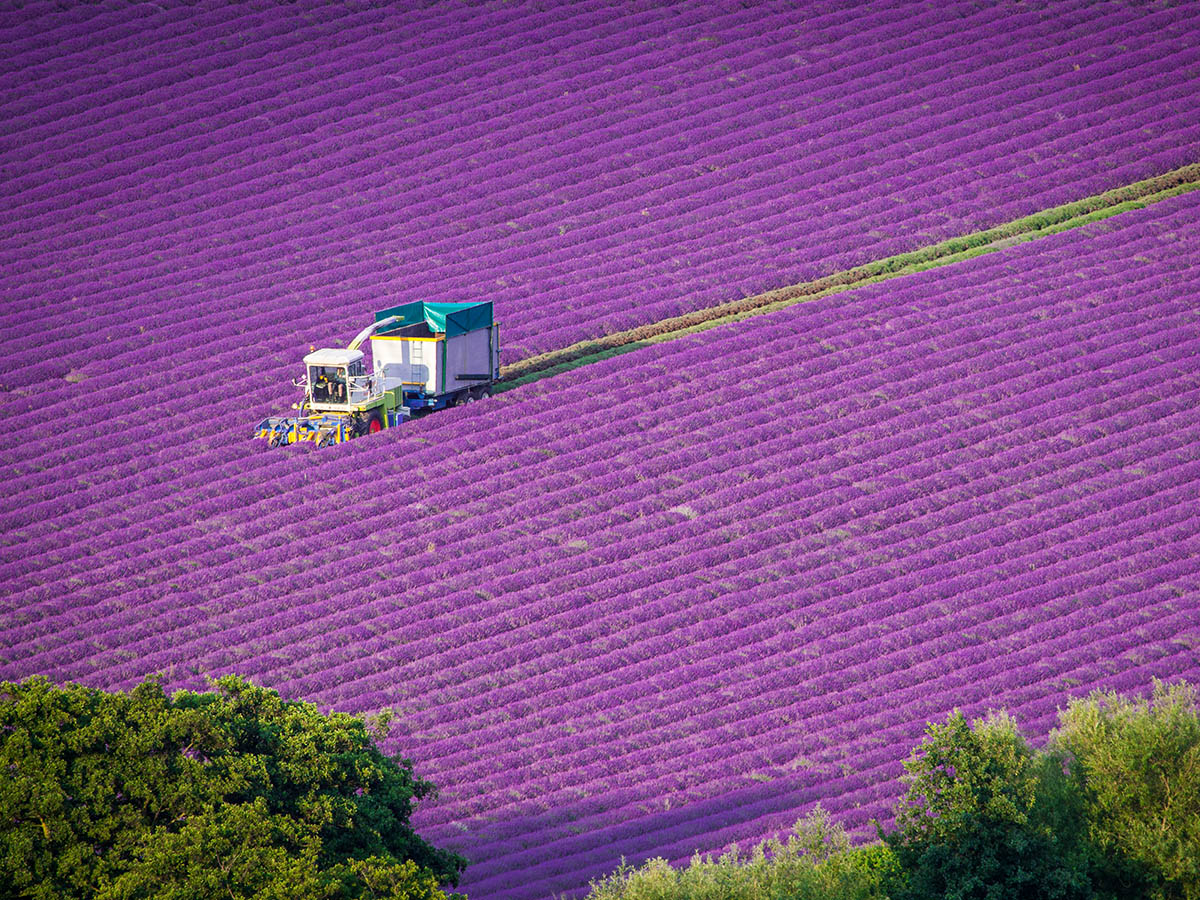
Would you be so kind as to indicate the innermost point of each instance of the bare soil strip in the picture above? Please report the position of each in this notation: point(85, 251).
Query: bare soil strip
point(1050, 221)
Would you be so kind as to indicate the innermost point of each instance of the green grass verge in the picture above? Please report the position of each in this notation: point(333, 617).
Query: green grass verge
point(1050, 221)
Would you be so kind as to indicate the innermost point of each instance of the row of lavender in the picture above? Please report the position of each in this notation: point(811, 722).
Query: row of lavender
point(180, 309)
point(671, 600)
point(597, 461)
point(259, 187)
point(196, 552)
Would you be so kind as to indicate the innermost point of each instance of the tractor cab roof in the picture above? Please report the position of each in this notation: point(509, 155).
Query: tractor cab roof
point(332, 357)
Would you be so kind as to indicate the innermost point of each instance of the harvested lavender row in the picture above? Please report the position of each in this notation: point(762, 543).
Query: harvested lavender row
point(212, 200)
point(126, 482)
point(675, 598)
point(525, 511)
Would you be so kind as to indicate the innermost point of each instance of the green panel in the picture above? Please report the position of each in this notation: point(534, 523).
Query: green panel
point(410, 313)
point(469, 317)
point(449, 318)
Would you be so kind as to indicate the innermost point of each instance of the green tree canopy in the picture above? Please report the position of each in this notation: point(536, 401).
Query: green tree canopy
point(987, 818)
point(1138, 763)
point(231, 793)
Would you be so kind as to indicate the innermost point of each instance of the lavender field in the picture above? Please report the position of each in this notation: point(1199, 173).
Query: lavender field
point(673, 599)
point(219, 186)
point(191, 199)
point(669, 600)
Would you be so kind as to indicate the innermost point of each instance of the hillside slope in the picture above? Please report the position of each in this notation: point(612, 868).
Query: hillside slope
point(674, 598)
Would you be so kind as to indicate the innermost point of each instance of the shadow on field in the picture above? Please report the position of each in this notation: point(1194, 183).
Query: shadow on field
point(556, 852)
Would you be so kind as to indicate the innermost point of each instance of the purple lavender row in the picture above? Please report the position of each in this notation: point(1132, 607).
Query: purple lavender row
point(414, 83)
point(714, 653)
point(654, 840)
point(192, 73)
point(1074, 502)
point(526, 638)
point(1093, 23)
point(742, 717)
point(1022, 698)
point(702, 783)
point(745, 724)
point(918, 726)
point(913, 734)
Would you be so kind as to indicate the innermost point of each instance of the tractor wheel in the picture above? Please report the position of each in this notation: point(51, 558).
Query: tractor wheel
point(374, 423)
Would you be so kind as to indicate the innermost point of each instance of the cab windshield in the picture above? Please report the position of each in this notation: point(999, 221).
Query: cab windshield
point(327, 384)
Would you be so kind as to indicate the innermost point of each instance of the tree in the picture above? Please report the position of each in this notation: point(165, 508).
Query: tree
point(1138, 765)
point(230, 793)
point(986, 818)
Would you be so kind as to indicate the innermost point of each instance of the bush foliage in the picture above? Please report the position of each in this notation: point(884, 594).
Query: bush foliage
point(232, 793)
point(815, 862)
point(238, 793)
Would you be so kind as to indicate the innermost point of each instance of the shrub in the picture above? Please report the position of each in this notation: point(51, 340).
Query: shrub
point(815, 862)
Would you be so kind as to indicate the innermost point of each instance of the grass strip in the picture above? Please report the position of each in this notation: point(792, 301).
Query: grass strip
point(1050, 221)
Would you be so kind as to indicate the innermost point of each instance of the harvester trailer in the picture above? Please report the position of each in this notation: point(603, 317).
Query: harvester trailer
point(425, 356)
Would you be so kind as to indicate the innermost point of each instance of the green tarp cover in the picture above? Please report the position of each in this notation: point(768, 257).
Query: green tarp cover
point(451, 318)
